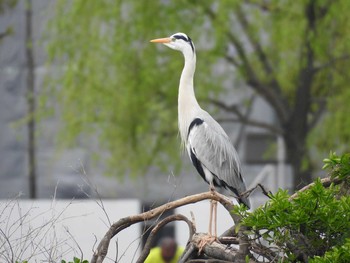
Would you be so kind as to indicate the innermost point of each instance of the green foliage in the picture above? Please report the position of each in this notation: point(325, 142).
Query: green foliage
point(339, 166)
point(75, 260)
point(114, 83)
point(337, 254)
point(317, 220)
point(7, 4)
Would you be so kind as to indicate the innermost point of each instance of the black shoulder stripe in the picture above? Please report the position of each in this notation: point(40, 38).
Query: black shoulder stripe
point(196, 163)
point(195, 122)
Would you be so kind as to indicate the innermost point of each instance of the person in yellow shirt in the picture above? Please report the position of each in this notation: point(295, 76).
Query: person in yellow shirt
point(167, 252)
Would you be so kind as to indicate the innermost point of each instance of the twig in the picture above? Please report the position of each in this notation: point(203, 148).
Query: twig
point(76, 243)
point(264, 191)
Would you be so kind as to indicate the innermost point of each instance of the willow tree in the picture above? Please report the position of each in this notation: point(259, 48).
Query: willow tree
point(293, 54)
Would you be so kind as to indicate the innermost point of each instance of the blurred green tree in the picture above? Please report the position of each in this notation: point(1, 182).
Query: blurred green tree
point(294, 54)
point(6, 5)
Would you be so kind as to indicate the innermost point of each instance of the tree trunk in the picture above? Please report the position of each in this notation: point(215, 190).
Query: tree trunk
point(30, 101)
point(297, 156)
point(297, 128)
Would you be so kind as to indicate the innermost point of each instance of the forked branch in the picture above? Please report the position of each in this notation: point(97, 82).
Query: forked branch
point(125, 222)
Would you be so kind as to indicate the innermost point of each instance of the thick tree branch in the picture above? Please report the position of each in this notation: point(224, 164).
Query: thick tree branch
point(326, 182)
point(263, 58)
point(253, 41)
point(331, 63)
point(317, 114)
point(258, 124)
point(125, 222)
point(243, 118)
point(215, 249)
point(147, 247)
point(252, 79)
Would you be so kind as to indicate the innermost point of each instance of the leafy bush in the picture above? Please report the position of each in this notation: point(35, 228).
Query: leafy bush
point(337, 254)
point(313, 224)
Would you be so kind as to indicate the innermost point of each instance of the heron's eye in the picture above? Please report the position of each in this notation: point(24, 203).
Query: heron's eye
point(173, 39)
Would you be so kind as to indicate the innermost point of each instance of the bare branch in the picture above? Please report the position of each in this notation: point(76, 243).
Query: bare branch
point(253, 40)
point(243, 118)
point(264, 251)
point(125, 222)
point(265, 90)
point(264, 191)
point(326, 182)
point(162, 223)
point(331, 63)
point(263, 58)
point(263, 125)
point(317, 115)
point(246, 115)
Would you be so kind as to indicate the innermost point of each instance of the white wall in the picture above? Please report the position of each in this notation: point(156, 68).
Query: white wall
point(44, 229)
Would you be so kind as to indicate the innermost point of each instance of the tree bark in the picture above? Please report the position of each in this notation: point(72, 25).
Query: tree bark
point(30, 101)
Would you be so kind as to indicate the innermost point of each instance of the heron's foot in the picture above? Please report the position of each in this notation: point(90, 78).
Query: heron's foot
point(208, 239)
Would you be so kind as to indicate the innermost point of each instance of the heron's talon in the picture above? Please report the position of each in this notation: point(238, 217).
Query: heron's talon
point(206, 240)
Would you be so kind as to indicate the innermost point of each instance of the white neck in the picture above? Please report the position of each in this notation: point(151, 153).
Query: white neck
point(187, 103)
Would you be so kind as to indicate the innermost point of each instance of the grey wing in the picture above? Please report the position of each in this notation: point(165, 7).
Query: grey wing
point(213, 149)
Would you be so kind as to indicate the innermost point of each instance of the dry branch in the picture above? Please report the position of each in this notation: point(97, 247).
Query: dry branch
point(125, 222)
point(214, 252)
point(147, 248)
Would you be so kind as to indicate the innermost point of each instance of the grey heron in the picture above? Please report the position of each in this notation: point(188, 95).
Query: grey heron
point(206, 142)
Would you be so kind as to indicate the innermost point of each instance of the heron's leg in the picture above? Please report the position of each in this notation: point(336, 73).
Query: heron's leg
point(215, 210)
point(212, 189)
point(212, 214)
point(211, 217)
point(209, 238)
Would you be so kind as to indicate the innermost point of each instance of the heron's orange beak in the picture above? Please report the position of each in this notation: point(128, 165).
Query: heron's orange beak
point(161, 40)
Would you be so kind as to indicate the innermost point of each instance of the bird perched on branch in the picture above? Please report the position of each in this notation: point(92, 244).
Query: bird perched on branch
point(207, 144)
